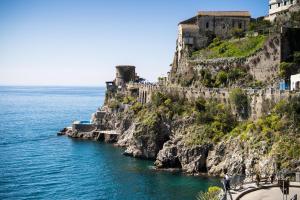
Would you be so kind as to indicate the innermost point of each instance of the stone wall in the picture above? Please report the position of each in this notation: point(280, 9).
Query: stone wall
point(261, 100)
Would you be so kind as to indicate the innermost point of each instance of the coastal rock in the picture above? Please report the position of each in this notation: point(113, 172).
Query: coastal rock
point(143, 141)
point(175, 154)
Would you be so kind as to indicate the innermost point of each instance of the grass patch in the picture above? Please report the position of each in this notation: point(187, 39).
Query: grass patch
point(231, 48)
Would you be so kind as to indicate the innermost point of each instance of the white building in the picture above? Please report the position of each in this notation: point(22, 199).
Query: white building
point(278, 6)
point(295, 82)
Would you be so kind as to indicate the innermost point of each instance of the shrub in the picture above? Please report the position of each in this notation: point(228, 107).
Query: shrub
point(206, 78)
point(260, 25)
point(137, 107)
point(213, 193)
point(222, 77)
point(241, 102)
point(297, 57)
point(113, 104)
point(287, 69)
point(129, 100)
point(238, 33)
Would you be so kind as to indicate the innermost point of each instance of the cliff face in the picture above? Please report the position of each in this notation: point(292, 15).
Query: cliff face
point(262, 65)
point(214, 113)
point(203, 136)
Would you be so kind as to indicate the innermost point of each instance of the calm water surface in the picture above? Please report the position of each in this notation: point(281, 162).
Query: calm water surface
point(37, 164)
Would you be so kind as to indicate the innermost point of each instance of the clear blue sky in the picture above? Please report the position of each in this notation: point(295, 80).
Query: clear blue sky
point(78, 42)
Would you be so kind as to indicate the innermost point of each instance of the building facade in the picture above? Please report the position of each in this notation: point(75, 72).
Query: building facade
point(277, 7)
point(198, 30)
point(295, 82)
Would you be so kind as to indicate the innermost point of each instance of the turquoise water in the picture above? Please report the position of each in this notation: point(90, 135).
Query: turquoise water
point(37, 164)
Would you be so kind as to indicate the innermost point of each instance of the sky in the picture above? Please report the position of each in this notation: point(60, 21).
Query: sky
point(79, 42)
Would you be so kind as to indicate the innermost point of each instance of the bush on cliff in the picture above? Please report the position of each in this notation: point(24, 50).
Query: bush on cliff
point(213, 193)
point(113, 104)
point(277, 133)
point(241, 102)
point(213, 122)
point(287, 69)
point(260, 25)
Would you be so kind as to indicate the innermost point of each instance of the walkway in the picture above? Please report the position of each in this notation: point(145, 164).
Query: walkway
point(266, 192)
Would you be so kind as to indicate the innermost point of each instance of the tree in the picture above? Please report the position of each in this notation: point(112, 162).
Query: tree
point(241, 102)
point(287, 69)
point(260, 25)
point(238, 33)
point(221, 79)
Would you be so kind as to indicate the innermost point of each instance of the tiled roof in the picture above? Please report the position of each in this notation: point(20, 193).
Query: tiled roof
point(225, 13)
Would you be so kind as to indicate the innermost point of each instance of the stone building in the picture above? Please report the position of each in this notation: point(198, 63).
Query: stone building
point(125, 74)
point(277, 7)
point(200, 29)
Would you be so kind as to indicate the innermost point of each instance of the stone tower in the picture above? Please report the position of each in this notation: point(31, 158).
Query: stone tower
point(124, 74)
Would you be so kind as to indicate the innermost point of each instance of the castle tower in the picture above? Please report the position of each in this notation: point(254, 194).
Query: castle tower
point(124, 74)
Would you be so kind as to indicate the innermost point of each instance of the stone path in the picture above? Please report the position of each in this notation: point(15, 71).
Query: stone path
point(270, 194)
point(267, 192)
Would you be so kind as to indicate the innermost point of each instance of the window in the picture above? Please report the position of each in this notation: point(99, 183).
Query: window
point(207, 24)
point(292, 1)
point(270, 7)
point(224, 26)
point(240, 25)
point(278, 4)
point(284, 3)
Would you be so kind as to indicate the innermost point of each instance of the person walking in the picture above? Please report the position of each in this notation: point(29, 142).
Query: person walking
point(226, 183)
point(257, 179)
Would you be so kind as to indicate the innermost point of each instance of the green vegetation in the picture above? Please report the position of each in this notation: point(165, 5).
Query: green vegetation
point(241, 102)
point(260, 25)
point(277, 133)
point(297, 57)
point(225, 78)
point(287, 69)
point(213, 121)
point(113, 104)
point(232, 48)
point(212, 194)
point(238, 33)
point(295, 19)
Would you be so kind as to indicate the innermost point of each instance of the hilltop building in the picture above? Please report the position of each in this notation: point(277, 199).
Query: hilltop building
point(277, 7)
point(198, 31)
point(125, 74)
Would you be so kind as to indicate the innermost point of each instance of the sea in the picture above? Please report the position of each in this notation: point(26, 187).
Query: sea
point(35, 163)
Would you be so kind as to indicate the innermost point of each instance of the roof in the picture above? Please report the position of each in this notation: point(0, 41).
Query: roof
point(225, 13)
point(125, 66)
point(192, 20)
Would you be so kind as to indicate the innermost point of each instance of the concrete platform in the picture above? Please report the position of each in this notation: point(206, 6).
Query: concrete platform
point(266, 192)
